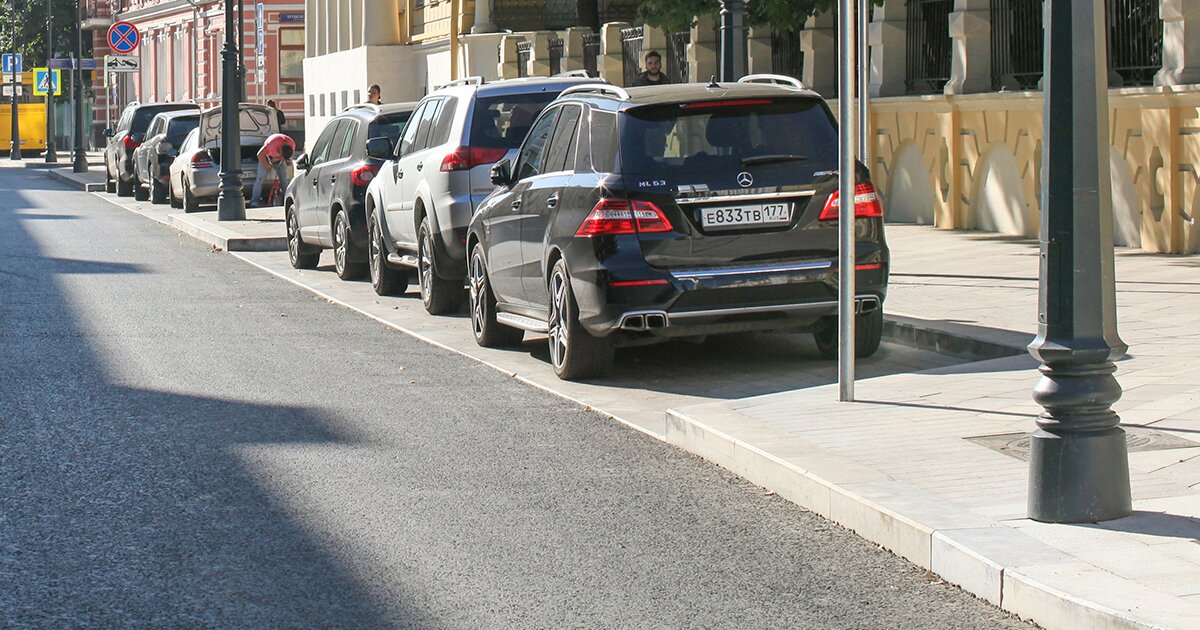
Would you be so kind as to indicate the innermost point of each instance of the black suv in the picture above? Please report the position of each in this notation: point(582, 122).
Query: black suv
point(324, 202)
point(671, 211)
point(129, 135)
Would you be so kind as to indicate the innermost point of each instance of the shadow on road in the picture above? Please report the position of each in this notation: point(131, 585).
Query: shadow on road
point(121, 506)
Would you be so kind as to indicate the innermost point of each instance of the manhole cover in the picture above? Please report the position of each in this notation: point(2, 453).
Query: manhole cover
point(1138, 439)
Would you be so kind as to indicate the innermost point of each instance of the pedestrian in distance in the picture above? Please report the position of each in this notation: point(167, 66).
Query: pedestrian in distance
point(278, 113)
point(373, 94)
point(653, 74)
point(273, 156)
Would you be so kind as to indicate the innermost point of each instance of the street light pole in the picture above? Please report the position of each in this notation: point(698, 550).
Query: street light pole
point(847, 171)
point(231, 205)
point(1078, 464)
point(15, 149)
point(79, 159)
point(733, 53)
point(51, 131)
point(241, 50)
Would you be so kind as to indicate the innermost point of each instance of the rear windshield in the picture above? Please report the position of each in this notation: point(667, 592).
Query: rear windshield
point(779, 141)
point(143, 116)
point(501, 122)
point(178, 129)
point(389, 126)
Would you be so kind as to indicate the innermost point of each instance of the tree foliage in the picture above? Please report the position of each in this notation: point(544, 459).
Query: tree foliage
point(783, 15)
point(30, 17)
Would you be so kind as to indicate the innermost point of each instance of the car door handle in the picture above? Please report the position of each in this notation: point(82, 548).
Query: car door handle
point(314, 182)
point(420, 165)
point(552, 201)
point(333, 179)
point(516, 205)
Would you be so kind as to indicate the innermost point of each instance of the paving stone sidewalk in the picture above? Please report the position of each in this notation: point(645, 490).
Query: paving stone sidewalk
point(932, 465)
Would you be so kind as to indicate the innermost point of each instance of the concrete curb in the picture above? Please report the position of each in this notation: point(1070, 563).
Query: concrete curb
point(223, 238)
point(973, 343)
point(990, 560)
point(74, 180)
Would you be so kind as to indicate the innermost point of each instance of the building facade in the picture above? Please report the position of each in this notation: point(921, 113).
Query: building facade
point(180, 54)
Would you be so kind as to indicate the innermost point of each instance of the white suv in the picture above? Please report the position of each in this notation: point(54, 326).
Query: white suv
point(421, 202)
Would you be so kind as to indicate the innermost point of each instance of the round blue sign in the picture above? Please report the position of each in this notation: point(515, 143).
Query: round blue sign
point(123, 38)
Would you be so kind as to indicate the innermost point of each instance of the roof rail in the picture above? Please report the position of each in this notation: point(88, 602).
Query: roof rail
point(772, 78)
point(603, 89)
point(371, 106)
point(580, 73)
point(472, 80)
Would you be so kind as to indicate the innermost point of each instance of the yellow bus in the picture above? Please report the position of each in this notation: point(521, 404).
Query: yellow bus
point(32, 116)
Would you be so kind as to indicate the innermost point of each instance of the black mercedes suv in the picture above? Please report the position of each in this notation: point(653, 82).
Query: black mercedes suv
point(630, 216)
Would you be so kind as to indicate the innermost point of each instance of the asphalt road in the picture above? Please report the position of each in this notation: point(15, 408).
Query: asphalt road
point(187, 441)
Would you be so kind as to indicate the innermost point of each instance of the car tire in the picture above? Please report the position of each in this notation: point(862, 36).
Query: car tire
point(158, 192)
point(439, 295)
point(574, 352)
point(140, 193)
point(300, 254)
point(190, 203)
point(176, 202)
point(124, 188)
point(344, 252)
point(110, 186)
point(868, 332)
point(384, 279)
point(489, 333)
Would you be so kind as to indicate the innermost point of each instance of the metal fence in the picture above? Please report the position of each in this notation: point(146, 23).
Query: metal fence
point(631, 53)
point(927, 49)
point(556, 55)
point(1135, 39)
point(591, 50)
point(524, 50)
point(538, 15)
point(678, 70)
point(787, 57)
point(1017, 41)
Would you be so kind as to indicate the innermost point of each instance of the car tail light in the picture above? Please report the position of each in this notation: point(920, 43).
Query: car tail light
point(620, 216)
point(866, 204)
point(466, 158)
point(130, 143)
point(202, 160)
point(363, 175)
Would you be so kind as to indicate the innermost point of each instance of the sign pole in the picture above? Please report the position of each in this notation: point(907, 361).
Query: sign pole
point(846, 175)
point(51, 130)
point(79, 159)
point(15, 150)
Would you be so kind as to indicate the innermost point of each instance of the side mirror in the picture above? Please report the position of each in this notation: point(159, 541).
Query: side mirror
point(379, 148)
point(302, 162)
point(165, 147)
point(108, 132)
point(502, 173)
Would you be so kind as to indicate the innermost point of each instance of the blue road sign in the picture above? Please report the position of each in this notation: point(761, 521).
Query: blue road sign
point(11, 62)
point(69, 64)
point(123, 38)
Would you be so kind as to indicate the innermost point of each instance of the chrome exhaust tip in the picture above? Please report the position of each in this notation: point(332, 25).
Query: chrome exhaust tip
point(866, 304)
point(656, 320)
point(643, 321)
point(635, 322)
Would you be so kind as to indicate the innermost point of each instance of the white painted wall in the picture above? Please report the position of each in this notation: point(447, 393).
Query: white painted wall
point(333, 80)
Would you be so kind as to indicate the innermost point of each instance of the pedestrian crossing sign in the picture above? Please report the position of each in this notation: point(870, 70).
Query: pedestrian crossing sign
point(46, 80)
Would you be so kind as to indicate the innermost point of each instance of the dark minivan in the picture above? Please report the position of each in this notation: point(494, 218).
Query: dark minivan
point(672, 211)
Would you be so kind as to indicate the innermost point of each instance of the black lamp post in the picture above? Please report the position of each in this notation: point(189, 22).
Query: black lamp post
point(15, 149)
point(1078, 465)
point(733, 40)
point(231, 205)
point(51, 154)
point(241, 50)
point(79, 159)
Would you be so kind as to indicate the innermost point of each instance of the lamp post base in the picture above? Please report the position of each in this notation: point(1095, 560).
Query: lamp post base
point(231, 207)
point(1084, 476)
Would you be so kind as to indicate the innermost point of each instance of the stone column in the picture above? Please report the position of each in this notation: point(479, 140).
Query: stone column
point(818, 40)
point(573, 48)
point(539, 54)
point(381, 23)
point(888, 54)
point(610, 64)
point(971, 42)
point(481, 55)
point(507, 68)
point(1181, 42)
point(758, 50)
point(703, 52)
point(483, 17)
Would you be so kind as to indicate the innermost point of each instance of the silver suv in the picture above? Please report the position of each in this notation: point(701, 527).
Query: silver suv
point(421, 202)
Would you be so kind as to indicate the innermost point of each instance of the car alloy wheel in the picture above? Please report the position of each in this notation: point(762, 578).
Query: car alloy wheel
point(384, 279)
point(440, 295)
point(559, 332)
point(425, 266)
point(374, 255)
point(299, 254)
point(339, 243)
point(489, 333)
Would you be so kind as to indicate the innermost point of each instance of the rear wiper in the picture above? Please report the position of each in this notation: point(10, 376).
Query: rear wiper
point(779, 157)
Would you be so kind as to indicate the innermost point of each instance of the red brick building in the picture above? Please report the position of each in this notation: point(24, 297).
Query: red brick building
point(180, 52)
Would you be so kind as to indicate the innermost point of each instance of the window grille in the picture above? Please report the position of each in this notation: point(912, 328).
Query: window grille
point(927, 47)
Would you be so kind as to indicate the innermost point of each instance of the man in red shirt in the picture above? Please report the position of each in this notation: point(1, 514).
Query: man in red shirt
point(273, 156)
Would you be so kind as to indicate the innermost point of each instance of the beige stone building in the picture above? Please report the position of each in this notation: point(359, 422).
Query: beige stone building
point(956, 125)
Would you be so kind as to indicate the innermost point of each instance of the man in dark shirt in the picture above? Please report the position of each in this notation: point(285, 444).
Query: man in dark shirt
point(653, 74)
point(278, 113)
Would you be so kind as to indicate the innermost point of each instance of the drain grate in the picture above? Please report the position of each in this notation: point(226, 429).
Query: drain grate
point(1137, 438)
